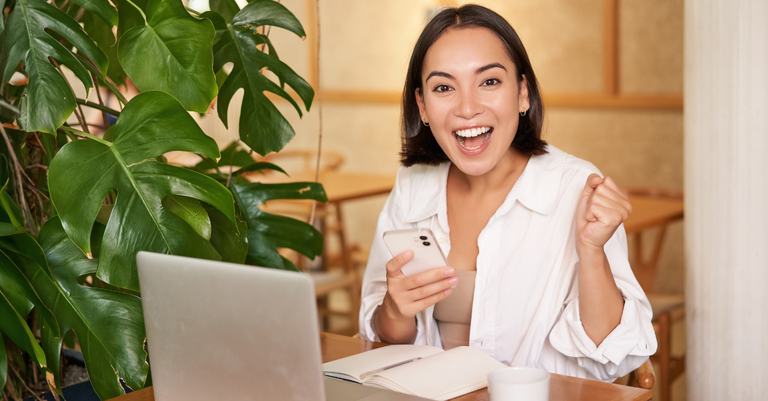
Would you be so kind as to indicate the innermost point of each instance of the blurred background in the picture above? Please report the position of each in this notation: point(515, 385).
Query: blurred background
point(613, 95)
point(610, 71)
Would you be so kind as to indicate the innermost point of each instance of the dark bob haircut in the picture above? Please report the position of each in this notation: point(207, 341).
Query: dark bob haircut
point(419, 145)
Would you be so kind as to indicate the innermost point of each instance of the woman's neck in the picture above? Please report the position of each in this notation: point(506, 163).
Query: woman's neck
point(501, 178)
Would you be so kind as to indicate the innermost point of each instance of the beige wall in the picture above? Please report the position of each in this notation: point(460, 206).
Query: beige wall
point(366, 45)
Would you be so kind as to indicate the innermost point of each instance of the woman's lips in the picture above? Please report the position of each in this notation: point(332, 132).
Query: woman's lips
point(472, 139)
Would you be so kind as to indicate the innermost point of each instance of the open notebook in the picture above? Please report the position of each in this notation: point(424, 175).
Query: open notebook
point(420, 370)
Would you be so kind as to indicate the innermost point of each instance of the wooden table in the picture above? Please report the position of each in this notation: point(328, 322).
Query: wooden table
point(340, 186)
point(561, 387)
point(649, 212)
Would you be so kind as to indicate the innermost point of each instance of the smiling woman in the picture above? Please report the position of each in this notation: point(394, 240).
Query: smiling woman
point(538, 271)
point(472, 88)
point(510, 56)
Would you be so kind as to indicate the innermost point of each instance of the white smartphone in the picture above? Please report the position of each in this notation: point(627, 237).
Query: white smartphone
point(426, 252)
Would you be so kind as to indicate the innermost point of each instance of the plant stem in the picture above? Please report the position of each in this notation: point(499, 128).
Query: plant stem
point(17, 169)
point(140, 11)
point(319, 112)
point(79, 14)
point(99, 107)
point(40, 206)
point(231, 167)
point(85, 134)
point(80, 116)
point(193, 11)
point(12, 389)
point(101, 102)
point(37, 397)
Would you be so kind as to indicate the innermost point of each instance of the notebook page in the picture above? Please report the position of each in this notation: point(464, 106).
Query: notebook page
point(352, 367)
point(442, 376)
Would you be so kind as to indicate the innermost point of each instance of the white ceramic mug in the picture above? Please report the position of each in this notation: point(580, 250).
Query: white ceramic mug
point(519, 384)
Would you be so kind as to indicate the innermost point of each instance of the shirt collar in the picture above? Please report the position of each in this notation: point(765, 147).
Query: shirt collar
point(536, 189)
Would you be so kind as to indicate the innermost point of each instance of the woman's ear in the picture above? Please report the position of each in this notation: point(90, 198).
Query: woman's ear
point(523, 101)
point(422, 107)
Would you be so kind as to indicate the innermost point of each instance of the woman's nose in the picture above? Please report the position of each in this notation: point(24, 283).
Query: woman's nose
point(468, 105)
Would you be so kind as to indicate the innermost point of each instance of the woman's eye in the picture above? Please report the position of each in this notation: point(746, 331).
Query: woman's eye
point(441, 88)
point(491, 82)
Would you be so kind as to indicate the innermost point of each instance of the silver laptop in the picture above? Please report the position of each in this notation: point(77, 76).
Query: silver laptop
point(222, 331)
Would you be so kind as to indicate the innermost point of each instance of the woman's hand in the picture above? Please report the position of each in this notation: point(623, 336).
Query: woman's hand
point(602, 208)
point(408, 295)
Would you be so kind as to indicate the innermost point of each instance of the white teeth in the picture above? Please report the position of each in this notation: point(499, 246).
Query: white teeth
point(472, 132)
point(487, 134)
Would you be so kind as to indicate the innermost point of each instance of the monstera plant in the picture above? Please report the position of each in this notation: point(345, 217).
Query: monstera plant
point(81, 195)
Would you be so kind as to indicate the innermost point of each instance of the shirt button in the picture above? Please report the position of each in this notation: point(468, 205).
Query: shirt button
point(442, 240)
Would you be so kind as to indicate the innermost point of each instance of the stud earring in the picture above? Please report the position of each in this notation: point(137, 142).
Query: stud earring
point(523, 113)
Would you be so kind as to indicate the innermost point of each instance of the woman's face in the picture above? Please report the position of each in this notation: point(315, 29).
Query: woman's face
point(471, 98)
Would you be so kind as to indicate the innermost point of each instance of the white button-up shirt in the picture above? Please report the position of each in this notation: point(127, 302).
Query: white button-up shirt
point(525, 309)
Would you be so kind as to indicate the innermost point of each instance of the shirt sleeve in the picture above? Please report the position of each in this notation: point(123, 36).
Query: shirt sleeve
point(630, 344)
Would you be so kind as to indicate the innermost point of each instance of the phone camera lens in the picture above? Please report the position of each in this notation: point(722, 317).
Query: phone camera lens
point(423, 237)
point(425, 243)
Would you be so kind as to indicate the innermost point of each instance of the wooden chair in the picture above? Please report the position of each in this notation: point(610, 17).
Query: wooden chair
point(643, 377)
point(667, 308)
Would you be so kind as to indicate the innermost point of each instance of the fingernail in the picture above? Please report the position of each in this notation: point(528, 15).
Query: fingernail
point(449, 271)
point(454, 280)
point(408, 254)
point(448, 291)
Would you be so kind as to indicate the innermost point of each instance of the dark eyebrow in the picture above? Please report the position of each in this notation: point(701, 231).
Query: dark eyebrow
point(489, 66)
point(439, 74)
point(478, 71)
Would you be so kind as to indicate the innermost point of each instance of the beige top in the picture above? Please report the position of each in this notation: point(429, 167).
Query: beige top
point(454, 313)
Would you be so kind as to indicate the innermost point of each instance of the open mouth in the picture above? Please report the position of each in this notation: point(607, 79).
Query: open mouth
point(473, 138)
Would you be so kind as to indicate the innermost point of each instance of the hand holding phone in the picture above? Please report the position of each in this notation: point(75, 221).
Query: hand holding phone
point(415, 280)
point(427, 254)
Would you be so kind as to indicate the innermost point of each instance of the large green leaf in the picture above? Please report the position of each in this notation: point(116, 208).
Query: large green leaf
point(49, 101)
point(267, 232)
point(230, 239)
point(262, 127)
point(18, 241)
point(15, 327)
point(129, 15)
point(226, 8)
point(85, 171)
point(102, 8)
point(109, 325)
point(16, 286)
point(233, 156)
point(171, 53)
point(102, 34)
point(191, 211)
point(2, 28)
